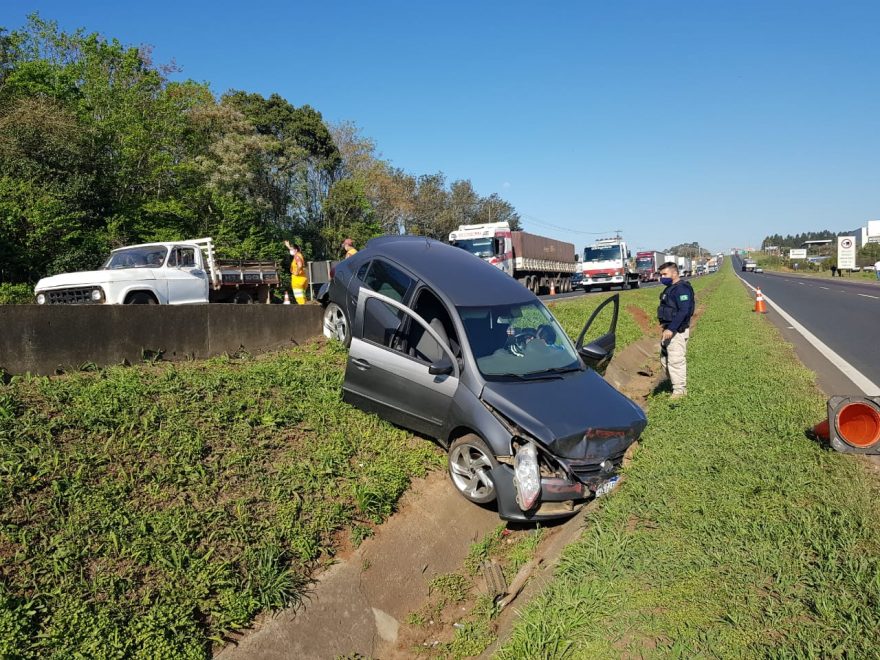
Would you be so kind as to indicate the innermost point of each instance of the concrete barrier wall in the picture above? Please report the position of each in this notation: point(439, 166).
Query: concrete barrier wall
point(43, 339)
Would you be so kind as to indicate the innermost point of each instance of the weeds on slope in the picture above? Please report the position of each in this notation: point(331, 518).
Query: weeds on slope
point(146, 511)
point(734, 535)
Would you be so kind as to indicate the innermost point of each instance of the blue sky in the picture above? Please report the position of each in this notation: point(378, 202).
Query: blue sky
point(709, 120)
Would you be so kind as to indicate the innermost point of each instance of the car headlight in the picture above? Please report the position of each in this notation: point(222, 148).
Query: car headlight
point(527, 476)
point(97, 295)
point(41, 298)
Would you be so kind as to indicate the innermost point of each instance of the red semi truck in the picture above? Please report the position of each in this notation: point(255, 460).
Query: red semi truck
point(535, 261)
point(648, 264)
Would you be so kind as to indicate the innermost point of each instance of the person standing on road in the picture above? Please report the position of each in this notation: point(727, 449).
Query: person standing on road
point(877, 269)
point(674, 314)
point(298, 278)
point(833, 270)
point(348, 248)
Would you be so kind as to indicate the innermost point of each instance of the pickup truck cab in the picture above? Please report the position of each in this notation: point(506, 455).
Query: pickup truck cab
point(172, 273)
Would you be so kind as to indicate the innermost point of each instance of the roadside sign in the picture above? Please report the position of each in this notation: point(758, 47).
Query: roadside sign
point(846, 252)
point(797, 254)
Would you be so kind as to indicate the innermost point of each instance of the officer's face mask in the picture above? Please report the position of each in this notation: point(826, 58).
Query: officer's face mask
point(665, 281)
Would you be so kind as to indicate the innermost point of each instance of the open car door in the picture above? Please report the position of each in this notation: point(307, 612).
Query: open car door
point(409, 383)
point(598, 352)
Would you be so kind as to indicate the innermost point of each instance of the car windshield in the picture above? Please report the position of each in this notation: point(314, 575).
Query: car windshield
point(148, 256)
point(517, 341)
point(602, 253)
point(481, 247)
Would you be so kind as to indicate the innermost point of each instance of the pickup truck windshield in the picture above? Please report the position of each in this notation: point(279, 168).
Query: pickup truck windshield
point(149, 256)
point(517, 341)
point(481, 247)
point(601, 253)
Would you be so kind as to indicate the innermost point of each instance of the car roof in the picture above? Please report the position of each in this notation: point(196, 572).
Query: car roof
point(455, 274)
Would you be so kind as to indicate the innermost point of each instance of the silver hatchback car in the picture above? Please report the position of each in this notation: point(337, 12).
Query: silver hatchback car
point(444, 344)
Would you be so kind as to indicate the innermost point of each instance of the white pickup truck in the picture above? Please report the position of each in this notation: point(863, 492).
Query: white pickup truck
point(173, 273)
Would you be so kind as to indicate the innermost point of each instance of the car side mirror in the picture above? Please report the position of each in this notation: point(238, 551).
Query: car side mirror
point(442, 367)
point(593, 352)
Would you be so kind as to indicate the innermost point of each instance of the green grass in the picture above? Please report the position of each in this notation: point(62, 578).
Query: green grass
point(572, 313)
point(146, 511)
point(733, 535)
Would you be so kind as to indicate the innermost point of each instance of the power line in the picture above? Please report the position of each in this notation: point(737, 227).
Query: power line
point(550, 225)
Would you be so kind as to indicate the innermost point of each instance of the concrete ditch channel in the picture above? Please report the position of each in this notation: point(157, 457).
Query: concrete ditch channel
point(360, 605)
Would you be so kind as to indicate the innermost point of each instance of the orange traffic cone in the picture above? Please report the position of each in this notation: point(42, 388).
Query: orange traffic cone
point(822, 430)
point(552, 287)
point(760, 307)
point(286, 298)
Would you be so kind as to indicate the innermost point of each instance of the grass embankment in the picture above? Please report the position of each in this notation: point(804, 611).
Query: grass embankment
point(145, 511)
point(149, 510)
point(734, 535)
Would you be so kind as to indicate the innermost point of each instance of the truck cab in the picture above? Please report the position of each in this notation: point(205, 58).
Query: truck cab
point(607, 263)
point(491, 242)
point(150, 273)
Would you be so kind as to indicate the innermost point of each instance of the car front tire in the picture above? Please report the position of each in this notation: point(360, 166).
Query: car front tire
point(336, 325)
point(470, 461)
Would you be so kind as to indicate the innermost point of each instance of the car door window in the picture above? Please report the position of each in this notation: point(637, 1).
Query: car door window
point(382, 323)
point(388, 280)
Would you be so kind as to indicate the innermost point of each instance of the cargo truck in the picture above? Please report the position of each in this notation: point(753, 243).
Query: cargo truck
point(648, 265)
point(685, 268)
point(608, 263)
point(168, 273)
point(537, 262)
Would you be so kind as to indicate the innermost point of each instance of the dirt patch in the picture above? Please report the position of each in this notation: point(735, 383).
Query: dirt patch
point(641, 317)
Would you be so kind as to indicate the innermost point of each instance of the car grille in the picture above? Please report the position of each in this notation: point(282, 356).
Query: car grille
point(77, 296)
point(590, 473)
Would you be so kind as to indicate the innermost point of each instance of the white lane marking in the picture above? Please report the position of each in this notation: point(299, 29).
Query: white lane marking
point(858, 378)
point(824, 287)
point(865, 295)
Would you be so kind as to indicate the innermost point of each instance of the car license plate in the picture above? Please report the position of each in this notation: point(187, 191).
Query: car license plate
point(607, 487)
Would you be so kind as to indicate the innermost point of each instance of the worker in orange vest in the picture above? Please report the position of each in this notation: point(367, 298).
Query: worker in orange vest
point(299, 281)
point(348, 248)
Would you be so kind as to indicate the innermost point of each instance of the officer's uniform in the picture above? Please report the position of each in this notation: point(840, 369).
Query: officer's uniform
point(674, 313)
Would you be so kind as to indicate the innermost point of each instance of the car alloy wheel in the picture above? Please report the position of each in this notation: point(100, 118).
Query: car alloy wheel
point(336, 324)
point(470, 462)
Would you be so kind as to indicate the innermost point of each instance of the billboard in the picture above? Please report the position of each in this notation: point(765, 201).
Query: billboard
point(846, 252)
point(797, 254)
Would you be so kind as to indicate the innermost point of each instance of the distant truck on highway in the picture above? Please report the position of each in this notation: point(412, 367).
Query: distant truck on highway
point(535, 261)
point(168, 273)
point(749, 265)
point(685, 266)
point(608, 263)
point(648, 265)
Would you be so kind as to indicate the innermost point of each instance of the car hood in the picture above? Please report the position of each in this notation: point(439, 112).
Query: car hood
point(577, 416)
point(92, 277)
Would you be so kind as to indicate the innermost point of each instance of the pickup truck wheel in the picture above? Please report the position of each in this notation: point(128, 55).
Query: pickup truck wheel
point(243, 298)
point(336, 325)
point(140, 298)
point(470, 461)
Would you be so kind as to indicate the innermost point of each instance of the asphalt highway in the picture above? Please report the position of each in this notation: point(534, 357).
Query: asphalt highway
point(843, 314)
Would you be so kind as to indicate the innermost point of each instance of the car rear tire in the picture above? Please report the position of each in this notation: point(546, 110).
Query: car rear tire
point(469, 462)
point(140, 298)
point(243, 298)
point(336, 325)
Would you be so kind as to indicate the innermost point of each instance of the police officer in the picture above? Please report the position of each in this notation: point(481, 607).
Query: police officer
point(674, 314)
